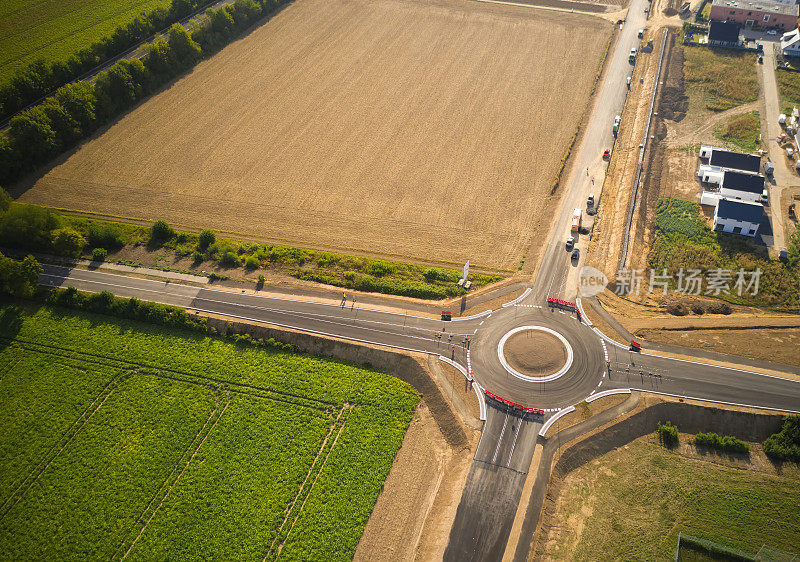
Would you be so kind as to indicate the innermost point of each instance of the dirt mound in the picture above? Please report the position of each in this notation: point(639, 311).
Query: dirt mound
point(674, 101)
point(535, 353)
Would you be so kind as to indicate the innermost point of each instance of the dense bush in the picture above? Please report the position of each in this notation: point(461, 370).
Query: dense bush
point(160, 232)
point(252, 262)
point(725, 443)
point(105, 235)
point(99, 254)
point(28, 227)
point(230, 259)
point(19, 278)
point(133, 309)
point(667, 434)
point(785, 445)
point(205, 239)
point(68, 242)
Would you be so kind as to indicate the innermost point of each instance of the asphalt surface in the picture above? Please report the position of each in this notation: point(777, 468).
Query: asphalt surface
point(494, 485)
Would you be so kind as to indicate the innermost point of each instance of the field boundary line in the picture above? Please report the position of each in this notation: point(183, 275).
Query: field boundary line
point(290, 508)
point(174, 469)
point(178, 477)
point(73, 430)
point(537, 7)
point(135, 365)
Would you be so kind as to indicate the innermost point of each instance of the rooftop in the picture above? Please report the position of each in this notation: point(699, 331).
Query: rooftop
point(735, 161)
point(761, 6)
point(723, 32)
point(740, 211)
point(748, 183)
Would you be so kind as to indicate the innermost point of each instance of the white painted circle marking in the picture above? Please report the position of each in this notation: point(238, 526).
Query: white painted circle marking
point(519, 375)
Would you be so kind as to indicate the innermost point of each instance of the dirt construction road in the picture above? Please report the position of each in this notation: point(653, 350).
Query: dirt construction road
point(416, 129)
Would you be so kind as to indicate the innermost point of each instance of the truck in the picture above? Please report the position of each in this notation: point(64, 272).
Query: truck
point(615, 128)
point(632, 56)
point(576, 220)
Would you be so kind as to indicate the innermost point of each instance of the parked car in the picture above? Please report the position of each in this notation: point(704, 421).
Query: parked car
point(576, 254)
point(772, 32)
point(590, 200)
point(606, 154)
point(570, 243)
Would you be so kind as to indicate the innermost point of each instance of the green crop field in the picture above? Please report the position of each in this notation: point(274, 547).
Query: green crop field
point(55, 29)
point(119, 438)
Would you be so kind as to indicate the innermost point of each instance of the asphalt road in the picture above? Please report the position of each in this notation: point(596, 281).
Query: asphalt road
point(494, 485)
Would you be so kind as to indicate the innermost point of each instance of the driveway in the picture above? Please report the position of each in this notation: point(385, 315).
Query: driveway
point(784, 175)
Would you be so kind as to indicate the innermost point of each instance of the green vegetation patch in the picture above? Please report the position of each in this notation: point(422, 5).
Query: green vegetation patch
point(785, 445)
point(641, 495)
point(789, 86)
point(263, 449)
point(55, 29)
point(684, 240)
point(724, 78)
point(180, 445)
point(89, 497)
point(744, 131)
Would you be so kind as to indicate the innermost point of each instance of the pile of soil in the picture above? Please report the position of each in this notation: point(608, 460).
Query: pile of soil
point(674, 101)
point(535, 353)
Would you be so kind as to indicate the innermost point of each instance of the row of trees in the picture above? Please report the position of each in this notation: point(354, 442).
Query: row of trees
point(76, 110)
point(42, 78)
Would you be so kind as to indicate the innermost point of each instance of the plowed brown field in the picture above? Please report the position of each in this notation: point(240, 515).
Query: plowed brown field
point(426, 130)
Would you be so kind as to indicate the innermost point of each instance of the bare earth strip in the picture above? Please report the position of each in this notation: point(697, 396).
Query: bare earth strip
point(424, 129)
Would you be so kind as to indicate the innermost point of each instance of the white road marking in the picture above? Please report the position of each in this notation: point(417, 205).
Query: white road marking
point(513, 444)
point(499, 441)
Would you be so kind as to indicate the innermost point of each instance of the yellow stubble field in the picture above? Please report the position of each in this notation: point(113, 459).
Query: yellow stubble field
point(427, 130)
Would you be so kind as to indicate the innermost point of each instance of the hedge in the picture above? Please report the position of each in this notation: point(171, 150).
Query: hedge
point(76, 110)
point(132, 308)
point(725, 443)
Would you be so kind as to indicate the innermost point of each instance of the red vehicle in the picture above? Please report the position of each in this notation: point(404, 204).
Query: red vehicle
point(636, 346)
point(606, 154)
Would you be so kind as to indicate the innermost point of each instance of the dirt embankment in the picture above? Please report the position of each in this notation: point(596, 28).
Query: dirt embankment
point(745, 424)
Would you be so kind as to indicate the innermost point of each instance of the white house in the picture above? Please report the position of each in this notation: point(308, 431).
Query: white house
point(705, 151)
point(710, 174)
point(737, 217)
point(790, 43)
point(743, 187)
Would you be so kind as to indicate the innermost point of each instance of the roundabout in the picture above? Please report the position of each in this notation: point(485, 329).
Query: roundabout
point(535, 353)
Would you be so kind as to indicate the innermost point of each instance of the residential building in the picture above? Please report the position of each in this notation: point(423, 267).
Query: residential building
point(790, 43)
point(737, 217)
point(743, 187)
point(762, 14)
point(736, 161)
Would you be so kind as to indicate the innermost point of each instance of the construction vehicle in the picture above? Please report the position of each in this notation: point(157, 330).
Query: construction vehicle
point(576, 220)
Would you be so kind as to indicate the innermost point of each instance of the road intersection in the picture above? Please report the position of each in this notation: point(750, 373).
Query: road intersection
point(475, 343)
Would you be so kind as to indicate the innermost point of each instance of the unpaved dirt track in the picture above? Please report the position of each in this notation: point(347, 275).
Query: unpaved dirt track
point(416, 129)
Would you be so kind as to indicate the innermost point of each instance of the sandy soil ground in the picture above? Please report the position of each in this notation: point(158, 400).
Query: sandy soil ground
point(411, 519)
point(535, 353)
point(775, 344)
point(432, 128)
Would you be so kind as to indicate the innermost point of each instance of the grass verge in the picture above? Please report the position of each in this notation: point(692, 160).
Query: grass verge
point(631, 503)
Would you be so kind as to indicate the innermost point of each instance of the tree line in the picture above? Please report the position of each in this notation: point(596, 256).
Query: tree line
point(41, 78)
point(78, 109)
